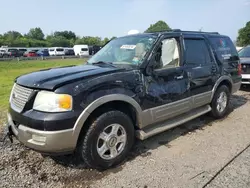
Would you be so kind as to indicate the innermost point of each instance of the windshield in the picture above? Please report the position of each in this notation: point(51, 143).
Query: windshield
point(125, 50)
point(59, 49)
point(245, 52)
point(22, 50)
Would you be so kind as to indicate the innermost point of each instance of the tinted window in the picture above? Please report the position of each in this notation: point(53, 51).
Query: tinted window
point(84, 49)
point(59, 49)
point(12, 50)
point(22, 50)
point(197, 52)
point(245, 52)
point(224, 48)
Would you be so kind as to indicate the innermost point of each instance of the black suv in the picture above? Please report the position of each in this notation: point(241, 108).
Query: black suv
point(135, 86)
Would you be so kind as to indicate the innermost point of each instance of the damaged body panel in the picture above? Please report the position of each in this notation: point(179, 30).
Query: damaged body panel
point(135, 85)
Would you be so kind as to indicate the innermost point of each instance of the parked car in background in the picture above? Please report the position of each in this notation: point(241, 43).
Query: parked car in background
point(30, 53)
point(244, 55)
point(3, 53)
point(21, 51)
point(43, 52)
point(13, 52)
point(94, 49)
point(81, 50)
point(69, 52)
point(56, 51)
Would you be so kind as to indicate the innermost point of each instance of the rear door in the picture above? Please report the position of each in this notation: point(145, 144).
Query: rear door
point(201, 67)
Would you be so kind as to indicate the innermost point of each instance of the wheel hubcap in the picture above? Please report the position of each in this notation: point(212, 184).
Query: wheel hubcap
point(222, 102)
point(111, 142)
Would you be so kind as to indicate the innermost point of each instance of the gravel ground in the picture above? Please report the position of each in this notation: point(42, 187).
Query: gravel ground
point(187, 156)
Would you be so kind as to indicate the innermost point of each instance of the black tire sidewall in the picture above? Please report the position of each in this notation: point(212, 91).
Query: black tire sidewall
point(215, 111)
point(90, 154)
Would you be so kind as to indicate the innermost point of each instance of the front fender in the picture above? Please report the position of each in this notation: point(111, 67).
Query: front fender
point(97, 103)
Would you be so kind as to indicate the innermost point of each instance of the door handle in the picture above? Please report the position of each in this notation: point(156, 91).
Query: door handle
point(213, 69)
point(179, 77)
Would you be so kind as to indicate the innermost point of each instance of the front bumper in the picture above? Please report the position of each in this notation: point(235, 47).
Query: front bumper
point(245, 78)
point(49, 142)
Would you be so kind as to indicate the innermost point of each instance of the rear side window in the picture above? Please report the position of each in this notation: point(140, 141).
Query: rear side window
point(224, 49)
point(197, 52)
point(245, 52)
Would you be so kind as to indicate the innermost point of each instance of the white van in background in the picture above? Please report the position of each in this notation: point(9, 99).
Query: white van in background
point(56, 51)
point(81, 50)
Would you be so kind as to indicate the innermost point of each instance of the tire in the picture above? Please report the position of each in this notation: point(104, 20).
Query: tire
point(106, 125)
point(220, 112)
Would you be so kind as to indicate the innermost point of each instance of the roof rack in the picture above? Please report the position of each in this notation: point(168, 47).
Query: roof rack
point(178, 30)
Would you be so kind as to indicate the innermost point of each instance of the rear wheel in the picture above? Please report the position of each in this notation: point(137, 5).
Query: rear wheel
point(220, 102)
point(107, 141)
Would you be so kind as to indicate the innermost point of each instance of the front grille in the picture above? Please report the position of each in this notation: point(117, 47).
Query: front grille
point(245, 68)
point(19, 97)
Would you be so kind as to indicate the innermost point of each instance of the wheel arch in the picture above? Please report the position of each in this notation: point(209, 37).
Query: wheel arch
point(224, 80)
point(100, 102)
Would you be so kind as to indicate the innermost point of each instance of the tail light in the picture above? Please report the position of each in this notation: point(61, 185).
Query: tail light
point(239, 69)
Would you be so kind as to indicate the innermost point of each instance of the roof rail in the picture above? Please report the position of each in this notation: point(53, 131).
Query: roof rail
point(178, 30)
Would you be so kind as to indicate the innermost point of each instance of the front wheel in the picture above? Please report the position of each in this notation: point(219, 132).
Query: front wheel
point(107, 141)
point(220, 102)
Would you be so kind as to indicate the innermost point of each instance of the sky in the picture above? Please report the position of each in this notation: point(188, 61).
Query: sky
point(116, 17)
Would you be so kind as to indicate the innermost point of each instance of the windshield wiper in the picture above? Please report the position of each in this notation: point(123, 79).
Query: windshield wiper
point(104, 63)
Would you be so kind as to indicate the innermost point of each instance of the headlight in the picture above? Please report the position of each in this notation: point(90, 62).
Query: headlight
point(51, 102)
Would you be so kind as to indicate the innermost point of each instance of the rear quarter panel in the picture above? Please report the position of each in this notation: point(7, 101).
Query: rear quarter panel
point(226, 56)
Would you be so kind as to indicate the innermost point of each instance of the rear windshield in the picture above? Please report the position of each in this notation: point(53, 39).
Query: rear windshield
point(245, 52)
point(84, 49)
point(12, 50)
point(22, 50)
point(59, 49)
point(224, 49)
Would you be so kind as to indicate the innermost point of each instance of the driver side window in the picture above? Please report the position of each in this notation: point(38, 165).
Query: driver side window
point(168, 54)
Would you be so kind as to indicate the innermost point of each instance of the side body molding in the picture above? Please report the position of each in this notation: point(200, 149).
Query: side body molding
point(97, 103)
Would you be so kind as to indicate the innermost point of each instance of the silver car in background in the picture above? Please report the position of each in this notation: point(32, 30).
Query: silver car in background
point(244, 55)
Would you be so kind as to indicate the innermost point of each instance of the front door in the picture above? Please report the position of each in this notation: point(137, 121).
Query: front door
point(167, 88)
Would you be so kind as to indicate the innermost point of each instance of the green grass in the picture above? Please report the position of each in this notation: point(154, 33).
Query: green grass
point(10, 70)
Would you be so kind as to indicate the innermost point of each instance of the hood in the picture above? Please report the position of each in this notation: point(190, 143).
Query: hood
point(53, 78)
point(245, 60)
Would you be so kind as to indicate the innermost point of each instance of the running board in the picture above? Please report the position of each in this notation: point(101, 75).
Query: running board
point(164, 126)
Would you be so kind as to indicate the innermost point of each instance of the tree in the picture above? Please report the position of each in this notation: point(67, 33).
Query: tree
point(12, 35)
point(59, 41)
point(36, 33)
point(113, 38)
point(158, 27)
point(89, 40)
point(105, 40)
point(70, 35)
point(243, 38)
